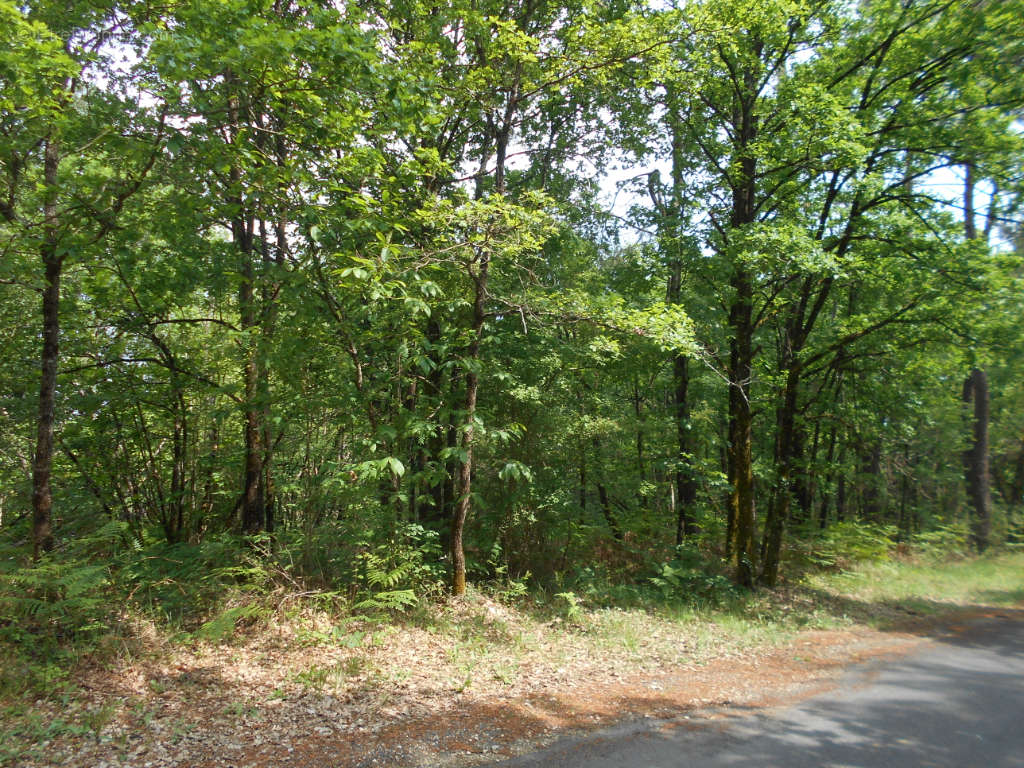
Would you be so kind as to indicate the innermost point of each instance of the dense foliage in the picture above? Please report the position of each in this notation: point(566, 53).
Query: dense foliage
point(339, 293)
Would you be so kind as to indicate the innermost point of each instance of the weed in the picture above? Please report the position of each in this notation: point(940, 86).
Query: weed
point(99, 718)
point(321, 678)
point(237, 709)
point(143, 713)
point(23, 676)
point(27, 733)
point(506, 673)
point(180, 728)
point(571, 607)
point(353, 665)
point(621, 629)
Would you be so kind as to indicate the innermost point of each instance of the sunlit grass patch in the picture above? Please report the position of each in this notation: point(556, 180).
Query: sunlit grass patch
point(994, 580)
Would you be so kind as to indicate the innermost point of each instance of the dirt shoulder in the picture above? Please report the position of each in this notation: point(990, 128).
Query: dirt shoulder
point(478, 731)
point(472, 684)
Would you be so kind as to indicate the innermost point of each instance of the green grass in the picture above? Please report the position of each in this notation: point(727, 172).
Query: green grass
point(874, 591)
point(679, 616)
point(334, 676)
point(878, 594)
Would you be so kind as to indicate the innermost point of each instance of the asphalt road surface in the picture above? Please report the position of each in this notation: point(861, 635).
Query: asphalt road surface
point(958, 703)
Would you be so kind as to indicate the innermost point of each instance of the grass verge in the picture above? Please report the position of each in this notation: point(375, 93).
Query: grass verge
point(384, 669)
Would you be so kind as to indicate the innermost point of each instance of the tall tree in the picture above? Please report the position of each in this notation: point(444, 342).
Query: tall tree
point(77, 144)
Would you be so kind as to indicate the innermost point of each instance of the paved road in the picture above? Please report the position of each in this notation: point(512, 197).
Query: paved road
point(957, 704)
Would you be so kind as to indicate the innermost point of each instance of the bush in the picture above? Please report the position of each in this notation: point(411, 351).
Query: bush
point(65, 596)
point(942, 542)
point(845, 544)
point(677, 582)
point(691, 577)
point(184, 583)
point(394, 574)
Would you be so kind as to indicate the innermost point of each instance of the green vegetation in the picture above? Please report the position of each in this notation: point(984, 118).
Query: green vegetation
point(500, 636)
point(931, 587)
point(317, 315)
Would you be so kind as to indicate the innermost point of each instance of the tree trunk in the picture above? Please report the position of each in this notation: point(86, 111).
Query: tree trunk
point(970, 213)
point(253, 509)
point(730, 474)
point(871, 482)
point(608, 512)
point(905, 525)
point(583, 480)
point(253, 492)
point(479, 279)
point(841, 495)
point(685, 491)
point(801, 485)
point(209, 465)
point(741, 324)
point(466, 469)
point(741, 499)
point(605, 501)
point(685, 482)
point(641, 464)
point(42, 495)
point(976, 388)
point(439, 483)
point(42, 463)
point(778, 510)
point(975, 460)
point(174, 521)
point(825, 486)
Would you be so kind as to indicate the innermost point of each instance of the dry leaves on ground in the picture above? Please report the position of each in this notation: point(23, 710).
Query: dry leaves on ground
point(476, 682)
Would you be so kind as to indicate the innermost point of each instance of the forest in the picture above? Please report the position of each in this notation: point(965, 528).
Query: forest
point(379, 299)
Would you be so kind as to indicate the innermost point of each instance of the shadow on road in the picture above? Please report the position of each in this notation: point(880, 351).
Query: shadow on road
point(956, 704)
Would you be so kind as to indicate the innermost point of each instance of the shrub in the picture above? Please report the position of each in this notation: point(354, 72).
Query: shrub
point(845, 544)
point(64, 596)
point(394, 574)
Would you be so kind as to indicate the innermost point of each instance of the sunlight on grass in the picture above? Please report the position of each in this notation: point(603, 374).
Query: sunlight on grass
point(874, 593)
point(996, 580)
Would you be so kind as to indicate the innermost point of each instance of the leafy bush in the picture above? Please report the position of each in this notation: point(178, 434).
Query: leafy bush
point(64, 596)
point(679, 582)
point(845, 544)
point(941, 542)
point(394, 574)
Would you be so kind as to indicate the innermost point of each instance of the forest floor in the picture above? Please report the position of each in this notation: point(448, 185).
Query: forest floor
point(477, 680)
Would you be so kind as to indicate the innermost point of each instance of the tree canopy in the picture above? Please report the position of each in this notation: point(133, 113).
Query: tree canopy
point(421, 293)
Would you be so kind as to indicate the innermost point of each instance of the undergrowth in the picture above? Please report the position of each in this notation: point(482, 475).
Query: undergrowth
point(84, 601)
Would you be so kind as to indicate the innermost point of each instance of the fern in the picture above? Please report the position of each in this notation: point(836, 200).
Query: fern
point(571, 605)
point(223, 625)
point(54, 598)
point(397, 572)
point(394, 600)
point(850, 542)
point(380, 575)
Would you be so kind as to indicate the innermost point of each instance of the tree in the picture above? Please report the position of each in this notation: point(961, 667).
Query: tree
point(74, 151)
point(800, 209)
